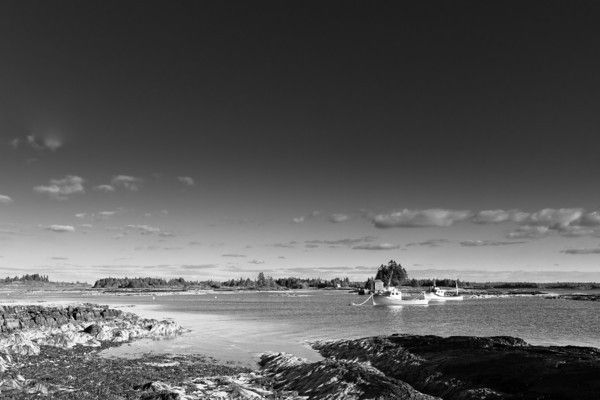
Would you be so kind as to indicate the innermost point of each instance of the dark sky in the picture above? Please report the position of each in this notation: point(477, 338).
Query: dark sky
point(277, 109)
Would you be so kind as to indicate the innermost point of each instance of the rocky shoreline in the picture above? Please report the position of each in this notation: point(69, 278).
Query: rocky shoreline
point(53, 352)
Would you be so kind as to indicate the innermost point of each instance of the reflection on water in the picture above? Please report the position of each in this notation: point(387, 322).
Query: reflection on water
point(239, 326)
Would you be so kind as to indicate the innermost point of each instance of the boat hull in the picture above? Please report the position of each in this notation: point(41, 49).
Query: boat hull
point(379, 300)
point(435, 297)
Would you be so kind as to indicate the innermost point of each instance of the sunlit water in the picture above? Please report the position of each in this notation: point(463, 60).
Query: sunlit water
point(239, 326)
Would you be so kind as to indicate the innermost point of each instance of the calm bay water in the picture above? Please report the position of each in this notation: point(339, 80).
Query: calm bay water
point(238, 326)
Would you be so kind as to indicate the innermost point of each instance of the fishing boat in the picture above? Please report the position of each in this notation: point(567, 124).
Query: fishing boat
point(437, 294)
point(391, 296)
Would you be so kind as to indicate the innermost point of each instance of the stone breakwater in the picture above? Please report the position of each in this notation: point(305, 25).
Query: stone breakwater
point(453, 368)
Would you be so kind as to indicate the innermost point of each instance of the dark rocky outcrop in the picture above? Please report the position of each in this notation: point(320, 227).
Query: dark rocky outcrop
point(461, 367)
point(332, 379)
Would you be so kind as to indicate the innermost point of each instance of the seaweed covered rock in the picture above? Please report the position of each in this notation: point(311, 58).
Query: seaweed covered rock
point(332, 379)
point(464, 367)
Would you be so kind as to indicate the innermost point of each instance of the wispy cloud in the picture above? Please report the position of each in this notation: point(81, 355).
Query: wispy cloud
point(61, 189)
point(60, 228)
point(576, 231)
point(5, 199)
point(593, 250)
point(256, 262)
point(47, 142)
point(288, 245)
point(186, 180)
point(530, 232)
point(233, 255)
point(337, 218)
point(499, 216)
point(434, 217)
point(430, 243)
point(144, 229)
point(104, 188)
point(482, 243)
point(301, 219)
point(342, 242)
point(379, 246)
point(127, 182)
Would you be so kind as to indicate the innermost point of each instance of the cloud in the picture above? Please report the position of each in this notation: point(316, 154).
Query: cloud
point(288, 245)
point(52, 142)
point(529, 232)
point(343, 242)
point(555, 218)
point(481, 243)
point(59, 258)
point(499, 216)
point(420, 218)
point(61, 228)
point(256, 262)
point(186, 180)
point(430, 243)
point(301, 219)
point(61, 189)
point(104, 188)
point(198, 266)
point(590, 219)
point(380, 246)
point(233, 255)
point(106, 214)
point(48, 142)
point(594, 250)
point(337, 218)
point(144, 229)
point(166, 234)
point(5, 199)
point(127, 182)
point(80, 215)
point(576, 231)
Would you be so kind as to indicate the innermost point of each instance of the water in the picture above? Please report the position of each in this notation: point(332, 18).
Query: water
point(239, 326)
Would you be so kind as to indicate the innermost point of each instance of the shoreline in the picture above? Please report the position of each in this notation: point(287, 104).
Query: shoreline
point(38, 355)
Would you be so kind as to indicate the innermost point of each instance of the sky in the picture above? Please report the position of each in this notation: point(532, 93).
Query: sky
point(218, 139)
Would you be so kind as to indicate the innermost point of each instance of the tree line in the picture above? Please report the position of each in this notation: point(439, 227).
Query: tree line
point(260, 282)
point(27, 278)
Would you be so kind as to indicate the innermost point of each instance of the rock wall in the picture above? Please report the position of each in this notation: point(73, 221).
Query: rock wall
point(30, 316)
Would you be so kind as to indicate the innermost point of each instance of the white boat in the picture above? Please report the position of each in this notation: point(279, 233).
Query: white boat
point(437, 294)
point(390, 296)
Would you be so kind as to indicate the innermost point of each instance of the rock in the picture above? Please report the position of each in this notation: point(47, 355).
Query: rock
point(93, 329)
point(463, 368)
point(335, 379)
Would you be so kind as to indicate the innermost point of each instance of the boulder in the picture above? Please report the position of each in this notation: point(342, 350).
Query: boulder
point(93, 329)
